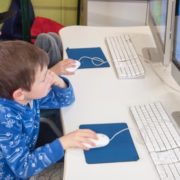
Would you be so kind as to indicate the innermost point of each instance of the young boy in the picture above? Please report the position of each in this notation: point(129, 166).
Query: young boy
point(26, 85)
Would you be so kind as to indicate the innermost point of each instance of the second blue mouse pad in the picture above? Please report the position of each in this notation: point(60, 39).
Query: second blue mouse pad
point(88, 57)
point(120, 149)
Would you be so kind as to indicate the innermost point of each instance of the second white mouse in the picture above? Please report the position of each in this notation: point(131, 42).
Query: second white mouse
point(103, 140)
point(72, 69)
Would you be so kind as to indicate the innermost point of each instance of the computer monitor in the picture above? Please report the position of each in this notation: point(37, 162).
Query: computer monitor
point(176, 50)
point(176, 56)
point(160, 20)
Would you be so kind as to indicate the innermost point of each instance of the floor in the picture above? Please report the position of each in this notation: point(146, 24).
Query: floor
point(53, 173)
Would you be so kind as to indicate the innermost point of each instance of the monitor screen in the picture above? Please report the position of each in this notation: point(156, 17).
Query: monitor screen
point(160, 21)
point(158, 13)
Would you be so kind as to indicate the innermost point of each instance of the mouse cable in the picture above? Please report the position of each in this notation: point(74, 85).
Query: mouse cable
point(119, 132)
point(96, 61)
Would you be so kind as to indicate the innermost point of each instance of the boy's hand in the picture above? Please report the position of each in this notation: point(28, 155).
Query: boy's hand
point(61, 66)
point(56, 80)
point(78, 138)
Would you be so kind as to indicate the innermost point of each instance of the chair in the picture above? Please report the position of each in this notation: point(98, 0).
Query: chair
point(52, 125)
point(6, 15)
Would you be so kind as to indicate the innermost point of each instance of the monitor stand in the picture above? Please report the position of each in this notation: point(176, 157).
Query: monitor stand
point(176, 117)
point(152, 54)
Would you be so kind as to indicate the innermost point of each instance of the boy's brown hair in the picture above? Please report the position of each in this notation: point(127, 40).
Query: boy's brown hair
point(19, 61)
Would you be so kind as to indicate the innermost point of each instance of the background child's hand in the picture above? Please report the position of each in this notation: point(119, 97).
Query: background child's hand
point(78, 138)
point(56, 80)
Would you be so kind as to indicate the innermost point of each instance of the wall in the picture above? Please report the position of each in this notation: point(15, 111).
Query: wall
point(62, 11)
point(116, 12)
point(4, 5)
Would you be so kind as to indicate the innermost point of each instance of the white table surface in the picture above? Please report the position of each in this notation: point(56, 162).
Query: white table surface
point(102, 98)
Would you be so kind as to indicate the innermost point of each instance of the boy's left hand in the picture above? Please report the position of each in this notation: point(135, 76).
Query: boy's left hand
point(56, 80)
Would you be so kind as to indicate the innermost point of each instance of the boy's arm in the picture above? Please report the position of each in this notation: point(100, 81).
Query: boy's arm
point(26, 163)
point(23, 162)
point(60, 95)
point(57, 81)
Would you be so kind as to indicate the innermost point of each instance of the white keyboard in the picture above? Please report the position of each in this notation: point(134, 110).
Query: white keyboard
point(161, 138)
point(124, 56)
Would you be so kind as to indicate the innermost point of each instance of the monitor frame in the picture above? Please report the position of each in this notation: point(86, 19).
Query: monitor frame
point(175, 72)
point(175, 67)
point(163, 52)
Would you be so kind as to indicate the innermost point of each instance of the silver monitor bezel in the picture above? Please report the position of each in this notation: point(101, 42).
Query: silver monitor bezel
point(164, 51)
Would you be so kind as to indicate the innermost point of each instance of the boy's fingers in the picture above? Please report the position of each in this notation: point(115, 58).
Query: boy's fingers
point(88, 133)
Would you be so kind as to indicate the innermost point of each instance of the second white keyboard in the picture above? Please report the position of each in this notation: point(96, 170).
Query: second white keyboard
point(125, 57)
point(161, 138)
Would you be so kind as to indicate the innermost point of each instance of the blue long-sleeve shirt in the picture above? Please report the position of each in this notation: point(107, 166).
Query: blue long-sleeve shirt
point(19, 128)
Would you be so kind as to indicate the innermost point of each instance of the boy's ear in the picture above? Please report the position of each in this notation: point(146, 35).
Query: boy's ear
point(18, 95)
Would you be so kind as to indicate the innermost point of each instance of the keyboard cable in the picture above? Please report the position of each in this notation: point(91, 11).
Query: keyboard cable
point(148, 61)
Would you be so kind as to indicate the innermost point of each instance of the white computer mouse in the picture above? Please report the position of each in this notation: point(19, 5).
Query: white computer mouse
point(103, 140)
point(72, 69)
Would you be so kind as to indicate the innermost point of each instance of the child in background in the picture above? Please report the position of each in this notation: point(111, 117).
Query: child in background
point(26, 85)
point(51, 43)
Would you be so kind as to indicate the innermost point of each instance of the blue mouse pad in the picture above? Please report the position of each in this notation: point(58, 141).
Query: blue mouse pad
point(120, 149)
point(88, 57)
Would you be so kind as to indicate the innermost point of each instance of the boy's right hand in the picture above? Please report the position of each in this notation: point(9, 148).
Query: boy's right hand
point(78, 138)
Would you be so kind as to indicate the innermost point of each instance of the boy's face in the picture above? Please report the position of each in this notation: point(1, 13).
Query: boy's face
point(41, 85)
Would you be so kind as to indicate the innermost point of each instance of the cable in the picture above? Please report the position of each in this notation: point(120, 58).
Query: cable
point(119, 132)
point(96, 61)
point(150, 63)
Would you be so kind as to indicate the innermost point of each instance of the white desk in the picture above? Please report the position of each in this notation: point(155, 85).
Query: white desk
point(102, 98)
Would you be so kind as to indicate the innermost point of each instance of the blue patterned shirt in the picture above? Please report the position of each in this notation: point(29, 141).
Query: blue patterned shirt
point(19, 128)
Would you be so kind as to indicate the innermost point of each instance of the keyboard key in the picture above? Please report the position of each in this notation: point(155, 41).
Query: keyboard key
point(168, 172)
point(162, 171)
